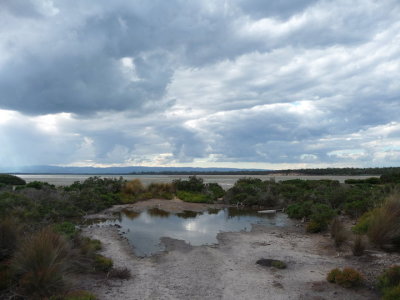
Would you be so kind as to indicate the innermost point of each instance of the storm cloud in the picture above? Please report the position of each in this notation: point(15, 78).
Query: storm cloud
point(268, 84)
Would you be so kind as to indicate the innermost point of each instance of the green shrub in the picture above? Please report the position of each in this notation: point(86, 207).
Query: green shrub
point(67, 229)
point(11, 180)
point(9, 235)
point(193, 197)
point(88, 247)
point(299, 210)
point(42, 263)
point(314, 227)
point(363, 223)
point(193, 184)
point(392, 293)
point(102, 263)
point(390, 278)
point(39, 185)
point(322, 213)
point(347, 278)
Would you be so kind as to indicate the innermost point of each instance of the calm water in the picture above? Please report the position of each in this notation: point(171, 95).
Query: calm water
point(226, 181)
point(144, 230)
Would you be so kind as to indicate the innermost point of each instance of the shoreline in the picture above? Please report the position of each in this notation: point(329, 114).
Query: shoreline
point(227, 270)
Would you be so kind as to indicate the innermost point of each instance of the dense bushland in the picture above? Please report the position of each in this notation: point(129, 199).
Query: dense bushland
point(195, 190)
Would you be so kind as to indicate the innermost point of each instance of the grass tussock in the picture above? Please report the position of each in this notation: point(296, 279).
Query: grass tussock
point(133, 187)
point(9, 234)
point(42, 264)
point(347, 277)
point(358, 246)
point(384, 227)
point(338, 232)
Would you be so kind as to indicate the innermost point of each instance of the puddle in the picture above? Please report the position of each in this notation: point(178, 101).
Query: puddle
point(144, 230)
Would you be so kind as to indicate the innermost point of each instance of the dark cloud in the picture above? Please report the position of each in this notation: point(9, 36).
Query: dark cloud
point(177, 82)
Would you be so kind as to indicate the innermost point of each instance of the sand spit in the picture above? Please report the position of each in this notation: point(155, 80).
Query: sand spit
point(229, 270)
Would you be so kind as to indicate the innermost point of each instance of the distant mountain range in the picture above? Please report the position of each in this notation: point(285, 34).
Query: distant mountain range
point(115, 170)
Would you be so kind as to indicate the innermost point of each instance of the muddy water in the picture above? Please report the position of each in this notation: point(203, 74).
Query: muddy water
point(144, 230)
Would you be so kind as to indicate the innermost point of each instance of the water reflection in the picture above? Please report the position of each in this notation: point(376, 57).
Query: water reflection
point(156, 212)
point(144, 230)
point(188, 214)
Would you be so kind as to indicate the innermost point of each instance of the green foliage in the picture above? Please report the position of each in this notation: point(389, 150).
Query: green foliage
point(11, 180)
point(42, 263)
point(391, 177)
point(299, 210)
point(347, 277)
point(88, 247)
point(67, 229)
point(370, 180)
point(193, 197)
point(193, 184)
point(322, 214)
point(314, 227)
point(363, 223)
point(39, 185)
point(279, 264)
point(390, 278)
point(102, 263)
point(392, 293)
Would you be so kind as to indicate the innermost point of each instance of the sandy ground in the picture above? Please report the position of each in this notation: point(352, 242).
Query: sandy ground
point(229, 270)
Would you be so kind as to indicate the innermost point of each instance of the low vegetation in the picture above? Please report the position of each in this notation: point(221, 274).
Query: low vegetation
point(47, 216)
point(389, 283)
point(347, 277)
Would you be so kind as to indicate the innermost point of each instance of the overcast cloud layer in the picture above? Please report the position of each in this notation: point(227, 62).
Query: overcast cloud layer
point(239, 83)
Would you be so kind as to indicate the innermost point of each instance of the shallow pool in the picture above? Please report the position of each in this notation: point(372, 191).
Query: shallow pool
point(144, 230)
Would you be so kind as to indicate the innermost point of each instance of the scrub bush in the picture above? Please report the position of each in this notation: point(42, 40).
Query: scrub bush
point(338, 232)
point(358, 246)
point(390, 278)
point(347, 277)
point(11, 180)
point(384, 227)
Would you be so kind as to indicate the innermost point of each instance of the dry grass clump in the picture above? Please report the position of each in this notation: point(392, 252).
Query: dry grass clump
point(358, 246)
point(133, 187)
point(338, 232)
point(161, 190)
point(384, 228)
point(42, 264)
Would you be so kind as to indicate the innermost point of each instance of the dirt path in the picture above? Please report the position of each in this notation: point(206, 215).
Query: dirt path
point(228, 270)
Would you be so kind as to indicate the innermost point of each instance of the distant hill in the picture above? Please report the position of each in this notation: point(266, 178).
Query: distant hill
point(118, 170)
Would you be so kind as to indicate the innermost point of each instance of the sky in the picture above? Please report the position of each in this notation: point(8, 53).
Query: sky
point(234, 83)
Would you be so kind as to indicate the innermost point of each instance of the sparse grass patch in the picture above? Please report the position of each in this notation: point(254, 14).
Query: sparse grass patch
point(120, 273)
point(102, 263)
